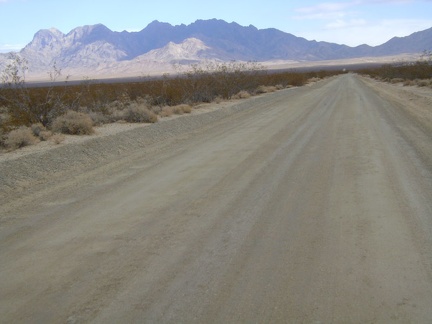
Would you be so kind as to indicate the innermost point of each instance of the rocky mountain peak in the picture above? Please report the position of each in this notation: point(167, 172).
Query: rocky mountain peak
point(189, 50)
point(90, 47)
point(45, 37)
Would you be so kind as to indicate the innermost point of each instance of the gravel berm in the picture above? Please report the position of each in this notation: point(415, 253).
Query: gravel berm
point(45, 167)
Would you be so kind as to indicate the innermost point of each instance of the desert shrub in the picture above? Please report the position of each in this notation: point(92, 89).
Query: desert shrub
point(177, 110)
point(181, 109)
point(218, 99)
point(113, 102)
point(166, 111)
point(406, 71)
point(2, 138)
point(45, 135)
point(139, 114)
point(74, 123)
point(115, 115)
point(57, 138)
point(297, 79)
point(187, 109)
point(243, 94)
point(313, 79)
point(265, 89)
point(40, 131)
point(20, 137)
point(99, 118)
point(422, 83)
point(156, 109)
point(30, 105)
point(4, 120)
point(396, 80)
point(37, 129)
point(408, 83)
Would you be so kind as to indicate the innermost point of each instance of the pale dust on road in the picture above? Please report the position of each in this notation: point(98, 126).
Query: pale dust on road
point(313, 206)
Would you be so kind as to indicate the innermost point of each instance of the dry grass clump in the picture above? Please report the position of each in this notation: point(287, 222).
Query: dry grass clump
point(57, 138)
point(396, 80)
point(187, 109)
point(408, 83)
point(418, 82)
point(423, 83)
point(132, 112)
point(265, 89)
point(139, 114)
point(177, 110)
point(40, 131)
point(218, 99)
point(166, 111)
point(45, 135)
point(98, 118)
point(314, 79)
point(182, 109)
point(20, 137)
point(74, 123)
point(243, 94)
point(37, 129)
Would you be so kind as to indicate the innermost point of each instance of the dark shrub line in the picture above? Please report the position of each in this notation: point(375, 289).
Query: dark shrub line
point(141, 101)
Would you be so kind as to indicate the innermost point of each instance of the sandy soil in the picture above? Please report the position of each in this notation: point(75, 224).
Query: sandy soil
point(307, 205)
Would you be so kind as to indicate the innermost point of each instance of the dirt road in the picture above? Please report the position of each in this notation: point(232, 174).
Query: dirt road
point(311, 205)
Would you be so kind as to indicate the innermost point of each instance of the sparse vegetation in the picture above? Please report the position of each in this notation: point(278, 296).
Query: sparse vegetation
point(74, 109)
point(243, 94)
point(410, 74)
point(74, 123)
point(57, 138)
point(20, 137)
point(265, 89)
point(139, 114)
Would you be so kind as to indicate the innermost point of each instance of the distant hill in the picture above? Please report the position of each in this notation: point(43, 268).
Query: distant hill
point(97, 49)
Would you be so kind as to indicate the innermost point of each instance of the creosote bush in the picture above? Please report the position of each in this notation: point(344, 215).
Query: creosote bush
point(410, 73)
point(75, 108)
point(74, 123)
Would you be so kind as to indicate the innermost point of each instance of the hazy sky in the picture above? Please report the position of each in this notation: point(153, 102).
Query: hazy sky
point(351, 22)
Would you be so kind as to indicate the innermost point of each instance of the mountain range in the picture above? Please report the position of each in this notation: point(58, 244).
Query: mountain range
point(96, 50)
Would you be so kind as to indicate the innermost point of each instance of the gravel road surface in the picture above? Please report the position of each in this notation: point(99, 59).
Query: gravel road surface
point(309, 205)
